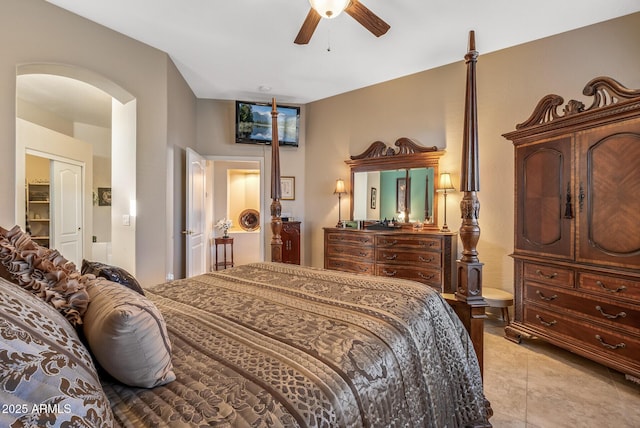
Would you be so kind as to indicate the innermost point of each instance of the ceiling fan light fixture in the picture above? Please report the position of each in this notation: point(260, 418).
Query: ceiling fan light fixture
point(329, 9)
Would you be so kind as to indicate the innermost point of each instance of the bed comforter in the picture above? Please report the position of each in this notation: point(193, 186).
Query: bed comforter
point(271, 344)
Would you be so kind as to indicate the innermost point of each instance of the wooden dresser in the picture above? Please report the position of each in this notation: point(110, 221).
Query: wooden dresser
point(577, 226)
point(427, 257)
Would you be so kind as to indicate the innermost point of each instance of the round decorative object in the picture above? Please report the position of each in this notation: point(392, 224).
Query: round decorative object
point(249, 219)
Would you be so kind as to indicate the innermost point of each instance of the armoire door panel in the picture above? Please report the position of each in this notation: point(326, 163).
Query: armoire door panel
point(610, 175)
point(544, 177)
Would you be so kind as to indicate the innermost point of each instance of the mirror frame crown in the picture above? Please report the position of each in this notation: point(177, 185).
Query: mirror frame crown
point(409, 154)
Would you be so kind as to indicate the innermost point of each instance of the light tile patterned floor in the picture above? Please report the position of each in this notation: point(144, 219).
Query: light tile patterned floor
point(538, 385)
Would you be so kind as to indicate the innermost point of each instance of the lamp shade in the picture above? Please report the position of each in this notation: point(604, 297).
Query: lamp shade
point(339, 187)
point(445, 183)
point(329, 8)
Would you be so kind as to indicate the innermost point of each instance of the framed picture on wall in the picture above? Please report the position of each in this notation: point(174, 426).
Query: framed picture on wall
point(288, 188)
point(374, 193)
point(104, 196)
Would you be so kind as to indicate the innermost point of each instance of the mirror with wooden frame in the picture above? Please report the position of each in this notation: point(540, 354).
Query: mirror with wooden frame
point(395, 184)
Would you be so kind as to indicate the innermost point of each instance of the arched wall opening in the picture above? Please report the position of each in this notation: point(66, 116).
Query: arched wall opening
point(122, 151)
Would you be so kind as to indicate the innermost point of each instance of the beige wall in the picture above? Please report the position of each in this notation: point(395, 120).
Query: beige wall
point(428, 107)
point(216, 137)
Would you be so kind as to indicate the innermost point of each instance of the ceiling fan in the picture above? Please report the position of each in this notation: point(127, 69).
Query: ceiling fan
point(329, 9)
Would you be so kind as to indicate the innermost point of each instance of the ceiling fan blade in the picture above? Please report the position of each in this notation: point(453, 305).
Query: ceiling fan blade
point(368, 19)
point(308, 27)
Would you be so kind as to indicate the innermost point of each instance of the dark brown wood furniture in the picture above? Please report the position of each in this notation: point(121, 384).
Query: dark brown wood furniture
point(224, 243)
point(423, 256)
point(467, 301)
point(290, 236)
point(577, 230)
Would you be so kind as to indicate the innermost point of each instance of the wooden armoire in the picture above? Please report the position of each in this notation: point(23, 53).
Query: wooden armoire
point(577, 225)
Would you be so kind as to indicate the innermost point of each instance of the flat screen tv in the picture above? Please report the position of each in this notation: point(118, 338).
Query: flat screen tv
point(253, 123)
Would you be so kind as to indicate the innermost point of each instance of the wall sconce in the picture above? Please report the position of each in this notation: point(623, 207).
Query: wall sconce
point(340, 190)
point(445, 185)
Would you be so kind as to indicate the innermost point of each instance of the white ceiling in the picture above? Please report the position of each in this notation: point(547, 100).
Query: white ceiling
point(231, 49)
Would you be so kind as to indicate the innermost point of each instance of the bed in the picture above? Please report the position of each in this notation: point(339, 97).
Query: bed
point(264, 344)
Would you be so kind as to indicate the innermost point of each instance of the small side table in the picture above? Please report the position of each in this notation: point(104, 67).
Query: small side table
point(496, 298)
point(224, 242)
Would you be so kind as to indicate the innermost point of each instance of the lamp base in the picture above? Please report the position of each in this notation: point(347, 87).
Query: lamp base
point(445, 228)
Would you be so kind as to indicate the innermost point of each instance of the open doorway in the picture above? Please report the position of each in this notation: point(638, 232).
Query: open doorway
point(60, 108)
point(237, 186)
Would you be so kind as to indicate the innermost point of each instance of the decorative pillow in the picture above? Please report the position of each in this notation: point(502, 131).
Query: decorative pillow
point(128, 336)
point(47, 375)
point(112, 273)
point(45, 273)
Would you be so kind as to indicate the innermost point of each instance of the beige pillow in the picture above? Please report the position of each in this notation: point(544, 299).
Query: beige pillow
point(128, 336)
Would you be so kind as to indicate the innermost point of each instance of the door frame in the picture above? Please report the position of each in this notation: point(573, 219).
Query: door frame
point(263, 213)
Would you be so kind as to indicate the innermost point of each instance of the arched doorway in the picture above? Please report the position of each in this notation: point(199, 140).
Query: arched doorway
point(64, 105)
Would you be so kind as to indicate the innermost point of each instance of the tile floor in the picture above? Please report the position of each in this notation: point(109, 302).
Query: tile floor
point(538, 385)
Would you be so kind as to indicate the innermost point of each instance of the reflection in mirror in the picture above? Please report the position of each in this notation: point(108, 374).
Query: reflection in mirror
point(395, 183)
point(385, 194)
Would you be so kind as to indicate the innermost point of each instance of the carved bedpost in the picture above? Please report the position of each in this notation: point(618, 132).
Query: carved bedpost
point(469, 267)
point(276, 208)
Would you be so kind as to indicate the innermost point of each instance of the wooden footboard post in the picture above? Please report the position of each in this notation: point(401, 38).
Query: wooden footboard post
point(469, 270)
point(276, 207)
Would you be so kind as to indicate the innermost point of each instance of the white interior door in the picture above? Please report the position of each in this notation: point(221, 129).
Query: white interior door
point(67, 217)
point(195, 232)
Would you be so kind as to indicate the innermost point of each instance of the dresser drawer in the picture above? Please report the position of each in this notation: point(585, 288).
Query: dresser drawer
point(352, 251)
point(349, 266)
point(602, 340)
point(549, 274)
point(432, 277)
point(355, 238)
point(422, 243)
point(417, 258)
point(603, 310)
point(610, 286)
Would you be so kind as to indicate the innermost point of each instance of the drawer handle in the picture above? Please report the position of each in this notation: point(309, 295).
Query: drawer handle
point(620, 345)
point(338, 264)
point(540, 273)
point(423, 276)
point(611, 290)
point(386, 242)
point(393, 257)
point(363, 269)
point(364, 241)
point(390, 273)
point(543, 297)
point(428, 244)
point(546, 323)
point(611, 317)
point(362, 254)
point(422, 259)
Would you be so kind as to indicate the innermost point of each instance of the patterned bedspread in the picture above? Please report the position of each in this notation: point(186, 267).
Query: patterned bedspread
point(280, 345)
